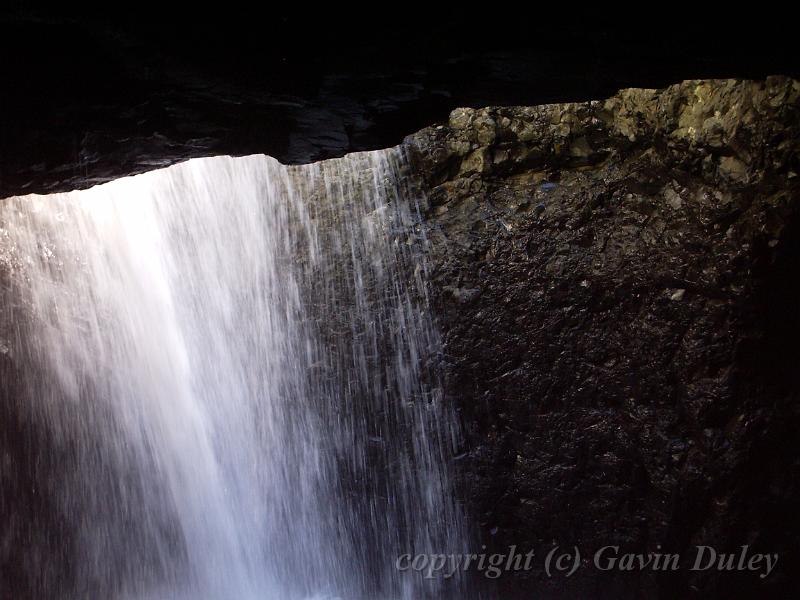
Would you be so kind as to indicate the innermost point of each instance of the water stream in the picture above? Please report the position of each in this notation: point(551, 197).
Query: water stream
point(230, 367)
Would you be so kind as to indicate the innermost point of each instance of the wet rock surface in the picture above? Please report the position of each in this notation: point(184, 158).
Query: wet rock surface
point(616, 280)
point(617, 283)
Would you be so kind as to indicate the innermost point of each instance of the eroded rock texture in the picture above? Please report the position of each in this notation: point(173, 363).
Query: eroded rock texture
point(618, 287)
point(91, 93)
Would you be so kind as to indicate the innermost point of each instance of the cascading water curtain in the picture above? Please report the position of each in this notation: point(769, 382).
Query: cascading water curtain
point(218, 383)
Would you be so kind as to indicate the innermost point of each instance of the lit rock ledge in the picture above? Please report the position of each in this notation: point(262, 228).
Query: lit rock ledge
point(617, 283)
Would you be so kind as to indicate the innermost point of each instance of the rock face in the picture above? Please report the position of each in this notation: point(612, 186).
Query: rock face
point(617, 283)
point(89, 94)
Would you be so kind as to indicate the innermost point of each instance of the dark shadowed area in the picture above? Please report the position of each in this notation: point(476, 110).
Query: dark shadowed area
point(615, 282)
point(90, 95)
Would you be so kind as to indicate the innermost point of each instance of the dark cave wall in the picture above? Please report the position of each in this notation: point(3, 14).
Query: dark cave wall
point(92, 93)
point(617, 284)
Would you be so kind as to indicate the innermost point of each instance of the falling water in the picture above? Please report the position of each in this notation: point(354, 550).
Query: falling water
point(223, 373)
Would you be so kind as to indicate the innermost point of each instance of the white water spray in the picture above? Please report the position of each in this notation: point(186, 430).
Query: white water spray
point(230, 362)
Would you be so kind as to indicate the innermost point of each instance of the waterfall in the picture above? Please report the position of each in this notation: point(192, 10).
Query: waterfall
point(222, 378)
